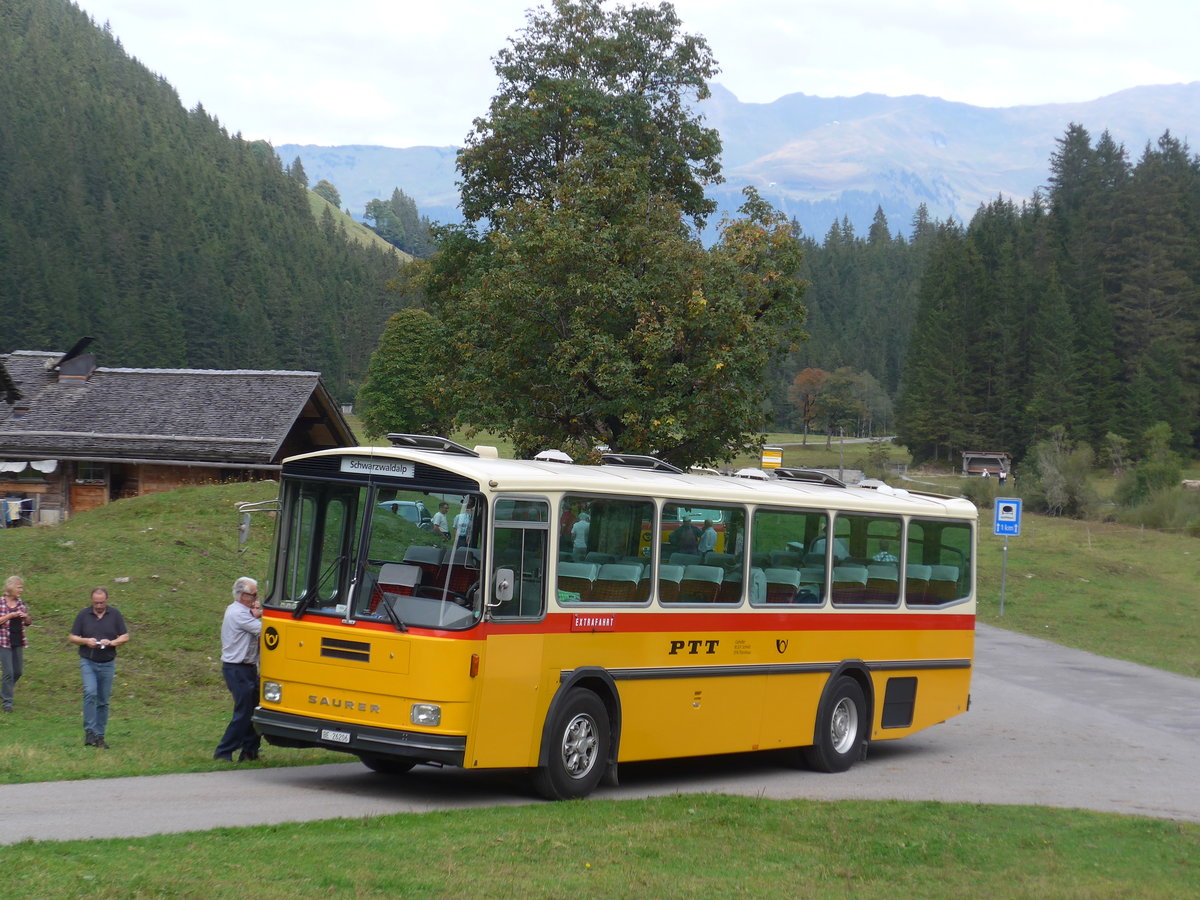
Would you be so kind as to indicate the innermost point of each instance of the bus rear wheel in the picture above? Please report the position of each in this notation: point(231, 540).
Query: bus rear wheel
point(386, 765)
point(579, 746)
point(839, 732)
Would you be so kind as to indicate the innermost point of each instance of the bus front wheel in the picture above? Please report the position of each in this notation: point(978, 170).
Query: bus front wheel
point(579, 746)
point(839, 732)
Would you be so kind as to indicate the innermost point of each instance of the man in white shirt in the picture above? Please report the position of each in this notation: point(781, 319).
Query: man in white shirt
point(239, 664)
point(440, 524)
point(462, 526)
point(579, 536)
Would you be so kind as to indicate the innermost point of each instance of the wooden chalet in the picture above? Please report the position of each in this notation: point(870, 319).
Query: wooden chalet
point(74, 436)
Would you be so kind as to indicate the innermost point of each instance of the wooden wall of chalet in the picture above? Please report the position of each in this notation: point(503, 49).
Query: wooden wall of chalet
point(132, 480)
point(156, 479)
point(87, 496)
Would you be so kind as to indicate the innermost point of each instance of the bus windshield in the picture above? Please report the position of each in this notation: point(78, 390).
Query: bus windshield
point(419, 563)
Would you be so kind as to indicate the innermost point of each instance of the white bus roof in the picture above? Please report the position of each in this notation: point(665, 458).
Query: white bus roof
point(517, 476)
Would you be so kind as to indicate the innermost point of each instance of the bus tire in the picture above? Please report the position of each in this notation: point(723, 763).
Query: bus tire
point(387, 765)
point(579, 739)
point(841, 720)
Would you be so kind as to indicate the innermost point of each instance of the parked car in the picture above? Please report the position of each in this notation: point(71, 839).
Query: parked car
point(413, 510)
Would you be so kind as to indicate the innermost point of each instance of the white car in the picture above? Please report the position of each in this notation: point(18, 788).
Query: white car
point(413, 510)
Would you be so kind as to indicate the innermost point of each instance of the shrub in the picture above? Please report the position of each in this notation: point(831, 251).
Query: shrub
point(1054, 478)
point(1161, 469)
point(981, 491)
point(1171, 509)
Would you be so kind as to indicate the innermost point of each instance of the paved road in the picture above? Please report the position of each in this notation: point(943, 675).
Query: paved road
point(1047, 726)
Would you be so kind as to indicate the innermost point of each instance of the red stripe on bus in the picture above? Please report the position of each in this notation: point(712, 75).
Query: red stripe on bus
point(661, 622)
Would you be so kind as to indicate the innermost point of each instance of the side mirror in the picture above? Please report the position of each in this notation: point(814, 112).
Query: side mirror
point(505, 581)
point(244, 529)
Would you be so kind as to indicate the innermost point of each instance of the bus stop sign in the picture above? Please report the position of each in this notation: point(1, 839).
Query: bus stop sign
point(1008, 516)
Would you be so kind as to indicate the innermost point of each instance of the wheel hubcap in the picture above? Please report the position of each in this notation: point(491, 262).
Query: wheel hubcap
point(580, 745)
point(844, 726)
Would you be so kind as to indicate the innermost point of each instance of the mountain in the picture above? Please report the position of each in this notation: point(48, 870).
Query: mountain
point(820, 158)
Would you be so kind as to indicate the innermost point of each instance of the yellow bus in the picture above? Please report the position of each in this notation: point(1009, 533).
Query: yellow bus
point(528, 623)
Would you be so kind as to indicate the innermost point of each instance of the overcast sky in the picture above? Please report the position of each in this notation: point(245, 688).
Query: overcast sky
point(400, 73)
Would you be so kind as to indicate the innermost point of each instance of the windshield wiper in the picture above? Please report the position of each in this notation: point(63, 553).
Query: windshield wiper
point(302, 604)
point(393, 615)
point(306, 601)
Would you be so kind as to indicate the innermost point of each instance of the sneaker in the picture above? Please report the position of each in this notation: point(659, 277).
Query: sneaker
point(101, 743)
point(248, 756)
point(89, 739)
point(223, 757)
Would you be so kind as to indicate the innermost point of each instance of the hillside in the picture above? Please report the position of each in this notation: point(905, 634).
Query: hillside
point(356, 231)
point(128, 218)
point(819, 159)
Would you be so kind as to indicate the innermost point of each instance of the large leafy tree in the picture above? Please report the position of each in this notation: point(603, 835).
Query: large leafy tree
point(581, 304)
point(578, 75)
point(805, 393)
point(404, 378)
point(595, 315)
point(326, 191)
point(398, 222)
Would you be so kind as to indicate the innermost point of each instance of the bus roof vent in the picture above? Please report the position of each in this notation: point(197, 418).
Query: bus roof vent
point(634, 461)
point(430, 442)
point(755, 474)
point(816, 476)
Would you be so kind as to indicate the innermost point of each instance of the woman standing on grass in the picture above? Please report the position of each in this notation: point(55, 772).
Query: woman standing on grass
point(14, 619)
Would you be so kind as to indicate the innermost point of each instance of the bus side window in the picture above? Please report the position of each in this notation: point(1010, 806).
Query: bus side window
point(786, 574)
point(604, 550)
point(938, 555)
point(867, 570)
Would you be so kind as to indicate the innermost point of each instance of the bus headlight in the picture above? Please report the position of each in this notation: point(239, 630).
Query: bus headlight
point(425, 714)
point(272, 692)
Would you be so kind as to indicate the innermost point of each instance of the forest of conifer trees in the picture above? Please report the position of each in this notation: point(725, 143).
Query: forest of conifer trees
point(1078, 308)
point(126, 217)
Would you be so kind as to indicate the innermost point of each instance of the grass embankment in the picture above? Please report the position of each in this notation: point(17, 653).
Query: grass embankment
point(169, 562)
point(1110, 589)
point(702, 846)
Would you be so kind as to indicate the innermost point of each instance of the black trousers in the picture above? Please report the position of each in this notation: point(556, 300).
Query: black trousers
point(242, 681)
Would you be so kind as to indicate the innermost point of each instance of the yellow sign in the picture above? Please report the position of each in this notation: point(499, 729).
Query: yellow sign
point(772, 457)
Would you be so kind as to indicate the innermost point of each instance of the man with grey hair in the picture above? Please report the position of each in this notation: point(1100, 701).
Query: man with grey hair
point(239, 664)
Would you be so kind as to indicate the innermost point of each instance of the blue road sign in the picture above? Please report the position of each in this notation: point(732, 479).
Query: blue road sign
point(1008, 516)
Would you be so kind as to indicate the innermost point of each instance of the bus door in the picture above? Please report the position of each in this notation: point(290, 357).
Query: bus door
point(507, 728)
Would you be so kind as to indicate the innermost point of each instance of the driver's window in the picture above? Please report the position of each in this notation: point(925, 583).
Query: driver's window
point(519, 544)
point(322, 526)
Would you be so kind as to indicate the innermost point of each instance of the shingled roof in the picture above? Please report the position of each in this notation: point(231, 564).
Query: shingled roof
point(238, 417)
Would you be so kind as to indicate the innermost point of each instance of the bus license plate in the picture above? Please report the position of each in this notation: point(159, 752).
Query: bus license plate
point(338, 737)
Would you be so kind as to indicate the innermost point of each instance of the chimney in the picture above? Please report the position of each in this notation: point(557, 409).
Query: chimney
point(75, 364)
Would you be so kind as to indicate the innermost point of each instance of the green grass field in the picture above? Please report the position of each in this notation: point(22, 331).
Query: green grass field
point(672, 847)
point(170, 560)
